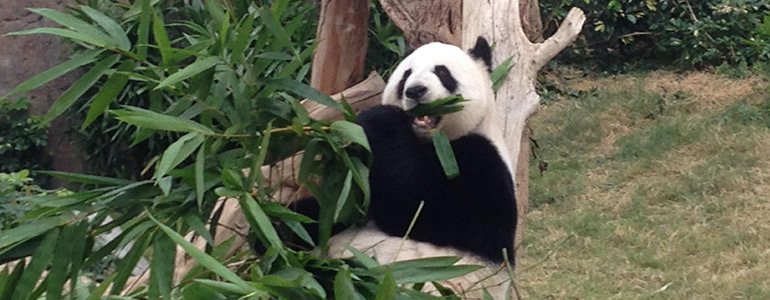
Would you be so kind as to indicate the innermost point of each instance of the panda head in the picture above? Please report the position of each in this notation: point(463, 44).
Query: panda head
point(435, 71)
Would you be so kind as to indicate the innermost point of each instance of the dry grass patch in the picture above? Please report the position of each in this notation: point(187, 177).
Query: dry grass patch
point(712, 92)
point(649, 196)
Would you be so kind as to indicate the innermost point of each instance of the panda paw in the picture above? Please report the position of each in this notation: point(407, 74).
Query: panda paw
point(384, 119)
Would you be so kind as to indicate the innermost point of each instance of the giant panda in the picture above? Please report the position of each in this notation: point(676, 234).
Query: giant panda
point(473, 215)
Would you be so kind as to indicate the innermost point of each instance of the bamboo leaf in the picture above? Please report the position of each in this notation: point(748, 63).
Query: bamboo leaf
point(28, 231)
point(445, 155)
point(367, 261)
point(204, 259)
point(144, 27)
point(78, 241)
point(129, 262)
point(68, 34)
point(259, 160)
point(197, 225)
point(276, 210)
point(343, 285)
point(301, 232)
point(74, 23)
point(274, 56)
point(308, 161)
point(112, 28)
point(62, 258)
point(162, 264)
point(152, 120)
point(216, 11)
point(297, 62)
point(387, 289)
point(487, 296)
point(4, 278)
point(500, 73)
point(40, 260)
point(80, 87)
point(254, 212)
point(98, 292)
point(305, 91)
point(278, 7)
point(161, 38)
point(224, 28)
point(414, 275)
point(200, 181)
point(440, 261)
point(438, 108)
point(76, 61)
point(343, 195)
point(363, 180)
point(108, 93)
point(9, 284)
point(351, 132)
point(220, 286)
point(87, 179)
point(200, 65)
point(178, 152)
point(242, 39)
point(282, 39)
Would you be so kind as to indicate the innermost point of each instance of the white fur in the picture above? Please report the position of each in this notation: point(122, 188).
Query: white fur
point(478, 116)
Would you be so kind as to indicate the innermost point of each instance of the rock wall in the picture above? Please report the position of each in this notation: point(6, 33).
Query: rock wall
point(22, 57)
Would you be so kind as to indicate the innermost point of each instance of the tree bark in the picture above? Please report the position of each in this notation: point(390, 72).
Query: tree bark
point(530, 20)
point(338, 62)
point(425, 21)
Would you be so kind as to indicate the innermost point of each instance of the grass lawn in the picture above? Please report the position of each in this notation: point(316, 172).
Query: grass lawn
point(657, 187)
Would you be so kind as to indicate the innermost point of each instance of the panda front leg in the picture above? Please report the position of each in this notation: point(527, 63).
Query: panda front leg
point(404, 172)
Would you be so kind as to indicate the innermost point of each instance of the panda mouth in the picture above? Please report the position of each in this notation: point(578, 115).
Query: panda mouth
point(426, 122)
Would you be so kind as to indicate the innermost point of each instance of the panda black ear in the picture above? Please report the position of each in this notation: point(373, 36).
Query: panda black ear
point(482, 51)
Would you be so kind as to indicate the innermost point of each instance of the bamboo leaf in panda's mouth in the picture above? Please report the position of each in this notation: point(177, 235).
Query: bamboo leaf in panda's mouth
point(441, 142)
point(439, 107)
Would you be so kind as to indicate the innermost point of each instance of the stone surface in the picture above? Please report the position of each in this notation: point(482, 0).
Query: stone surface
point(22, 57)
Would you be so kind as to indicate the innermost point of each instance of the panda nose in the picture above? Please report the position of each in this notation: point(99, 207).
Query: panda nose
point(416, 91)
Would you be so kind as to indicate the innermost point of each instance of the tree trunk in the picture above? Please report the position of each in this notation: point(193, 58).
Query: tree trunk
point(338, 62)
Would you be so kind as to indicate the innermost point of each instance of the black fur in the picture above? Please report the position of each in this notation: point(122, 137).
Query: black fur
point(474, 212)
point(483, 52)
point(447, 80)
point(401, 83)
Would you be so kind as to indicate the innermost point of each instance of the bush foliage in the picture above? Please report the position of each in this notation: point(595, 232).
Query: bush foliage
point(22, 137)
point(221, 84)
point(652, 33)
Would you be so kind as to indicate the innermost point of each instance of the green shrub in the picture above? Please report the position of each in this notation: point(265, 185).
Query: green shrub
point(623, 34)
point(387, 45)
point(22, 137)
point(12, 187)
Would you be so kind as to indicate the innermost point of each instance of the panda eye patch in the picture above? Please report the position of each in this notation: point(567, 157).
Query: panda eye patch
point(402, 82)
point(446, 78)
